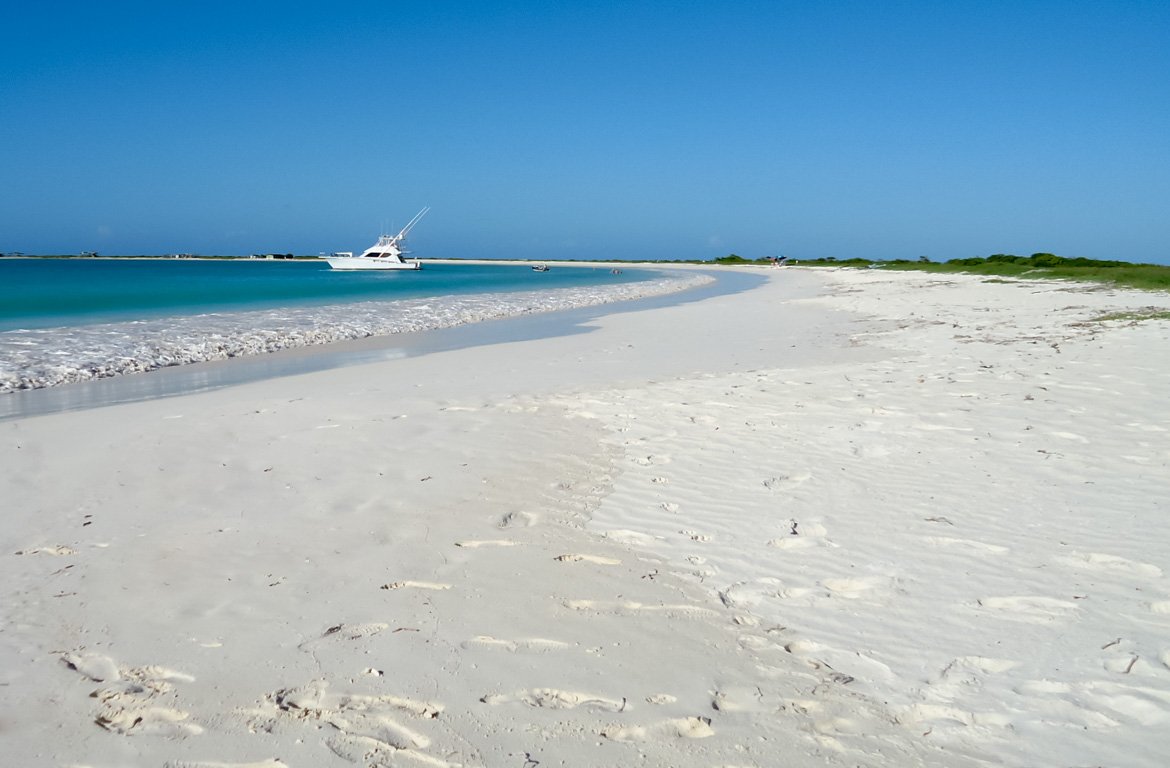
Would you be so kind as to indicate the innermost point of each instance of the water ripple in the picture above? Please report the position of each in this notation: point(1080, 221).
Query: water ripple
point(46, 357)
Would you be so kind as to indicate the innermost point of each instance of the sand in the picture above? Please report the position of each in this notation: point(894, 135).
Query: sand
point(847, 518)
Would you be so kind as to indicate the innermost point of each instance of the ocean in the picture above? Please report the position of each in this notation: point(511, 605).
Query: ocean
point(71, 320)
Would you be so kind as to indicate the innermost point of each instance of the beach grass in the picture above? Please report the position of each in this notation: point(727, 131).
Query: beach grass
point(1133, 316)
point(1038, 266)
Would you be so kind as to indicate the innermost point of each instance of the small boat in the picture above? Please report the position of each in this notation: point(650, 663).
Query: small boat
point(385, 254)
point(540, 267)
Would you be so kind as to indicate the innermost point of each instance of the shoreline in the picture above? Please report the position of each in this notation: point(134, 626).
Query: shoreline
point(910, 519)
point(214, 374)
point(199, 376)
point(38, 358)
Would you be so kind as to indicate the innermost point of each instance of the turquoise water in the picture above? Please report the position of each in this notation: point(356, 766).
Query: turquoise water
point(73, 320)
point(43, 293)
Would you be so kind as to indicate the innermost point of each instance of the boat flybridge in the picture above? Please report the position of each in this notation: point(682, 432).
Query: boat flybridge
point(385, 254)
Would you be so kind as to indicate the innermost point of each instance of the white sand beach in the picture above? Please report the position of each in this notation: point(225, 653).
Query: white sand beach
point(848, 518)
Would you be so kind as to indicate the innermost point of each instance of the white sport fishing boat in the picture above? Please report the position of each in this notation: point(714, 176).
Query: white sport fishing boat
point(385, 254)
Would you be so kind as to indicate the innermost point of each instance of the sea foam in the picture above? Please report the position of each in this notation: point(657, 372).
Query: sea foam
point(46, 357)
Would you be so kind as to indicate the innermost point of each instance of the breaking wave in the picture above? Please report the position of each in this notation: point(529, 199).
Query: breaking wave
point(46, 357)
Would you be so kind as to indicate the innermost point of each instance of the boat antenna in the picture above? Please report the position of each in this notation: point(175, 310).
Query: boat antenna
point(417, 217)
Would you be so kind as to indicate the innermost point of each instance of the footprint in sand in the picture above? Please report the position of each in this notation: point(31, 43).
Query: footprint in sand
point(854, 588)
point(95, 666)
point(870, 450)
point(375, 703)
point(696, 536)
point(1126, 664)
point(273, 763)
point(309, 697)
point(58, 551)
point(1147, 706)
point(354, 631)
point(594, 559)
point(802, 535)
point(702, 572)
point(343, 632)
point(138, 686)
point(746, 699)
point(924, 715)
point(965, 666)
point(125, 687)
point(531, 644)
point(1041, 688)
point(147, 720)
point(127, 702)
point(634, 538)
point(518, 520)
point(1062, 702)
point(1071, 436)
point(963, 675)
point(840, 665)
point(1029, 608)
point(433, 585)
point(646, 461)
point(828, 722)
point(155, 673)
point(367, 750)
point(1111, 564)
point(965, 545)
point(554, 698)
point(802, 647)
point(794, 543)
point(378, 728)
point(678, 728)
point(747, 595)
point(631, 608)
point(367, 726)
point(786, 482)
point(485, 543)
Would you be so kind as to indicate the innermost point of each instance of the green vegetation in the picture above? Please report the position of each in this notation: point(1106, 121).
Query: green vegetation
point(1040, 266)
point(1134, 316)
point(833, 261)
point(737, 259)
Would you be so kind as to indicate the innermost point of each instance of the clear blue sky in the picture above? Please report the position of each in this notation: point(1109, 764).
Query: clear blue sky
point(588, 129)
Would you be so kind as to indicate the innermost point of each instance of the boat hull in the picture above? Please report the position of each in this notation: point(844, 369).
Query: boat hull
point(358, 262)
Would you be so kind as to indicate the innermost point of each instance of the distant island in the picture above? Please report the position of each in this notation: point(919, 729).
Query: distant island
point(1002, 265)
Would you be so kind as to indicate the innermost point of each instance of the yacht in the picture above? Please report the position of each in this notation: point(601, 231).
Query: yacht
point(385, 254)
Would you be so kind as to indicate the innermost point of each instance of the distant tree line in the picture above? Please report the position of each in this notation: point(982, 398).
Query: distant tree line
point(1039, 260)
point(1035, 261)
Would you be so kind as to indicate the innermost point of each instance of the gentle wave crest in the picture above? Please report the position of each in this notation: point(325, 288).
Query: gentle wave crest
point(46, 357)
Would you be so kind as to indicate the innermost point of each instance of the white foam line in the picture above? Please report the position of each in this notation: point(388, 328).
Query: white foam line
point(31, 359)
